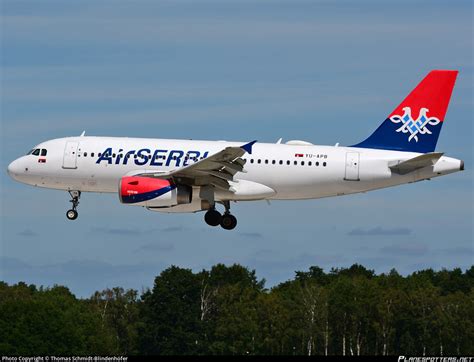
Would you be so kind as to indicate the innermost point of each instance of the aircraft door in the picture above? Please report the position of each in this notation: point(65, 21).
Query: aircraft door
point(70, 155)
point(352, 166)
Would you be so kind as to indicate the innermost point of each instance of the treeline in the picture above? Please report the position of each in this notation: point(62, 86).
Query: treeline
point(228, 311)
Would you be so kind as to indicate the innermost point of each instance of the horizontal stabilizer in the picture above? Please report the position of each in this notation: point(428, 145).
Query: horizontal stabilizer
point(413, 164)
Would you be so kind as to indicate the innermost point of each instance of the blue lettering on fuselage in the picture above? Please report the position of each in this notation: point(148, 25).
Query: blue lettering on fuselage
point(105, 156)
point(175, 155)
point(143, 157)
point(127, 156)
point(191, 156)
point(158, 155)
point(154, 158)
point(119, 157)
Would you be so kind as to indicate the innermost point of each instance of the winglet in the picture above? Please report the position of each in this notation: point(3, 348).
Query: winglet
point(248, 147)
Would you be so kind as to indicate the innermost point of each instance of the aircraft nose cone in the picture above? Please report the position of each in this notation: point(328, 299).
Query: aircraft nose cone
point(14, 168)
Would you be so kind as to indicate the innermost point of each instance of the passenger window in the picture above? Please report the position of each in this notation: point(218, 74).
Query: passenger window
point(310, 163)
point(296, 162)
point(302, 163)
point(266, 162)
point(281, 162)
point(92, 154)
point(273, 162)
point(288, 163)
point(259, 161)
point(251, 160)
point(85, 154)
point(36, 152)
point(324, 164)
point(317, 163)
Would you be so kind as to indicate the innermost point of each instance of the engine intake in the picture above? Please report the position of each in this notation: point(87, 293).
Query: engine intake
point(153, 192)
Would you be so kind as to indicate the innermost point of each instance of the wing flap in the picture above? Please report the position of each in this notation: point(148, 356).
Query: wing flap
point(223, 175)
point(237, 165)
point(219, 183)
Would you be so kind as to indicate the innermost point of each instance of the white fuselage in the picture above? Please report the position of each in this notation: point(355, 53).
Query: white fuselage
point(290, 171)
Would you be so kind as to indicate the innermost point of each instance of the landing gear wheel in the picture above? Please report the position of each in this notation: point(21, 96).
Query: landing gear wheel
point(71, 214)
point(228, 222)
point(213, 217)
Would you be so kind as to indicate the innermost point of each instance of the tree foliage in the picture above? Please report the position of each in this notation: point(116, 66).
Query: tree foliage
point(227, 311)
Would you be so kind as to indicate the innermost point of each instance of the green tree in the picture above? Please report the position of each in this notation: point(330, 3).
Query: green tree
point(119, 310)
point(227, 311)
point(234, 322)
point(171, 314)
point(49, 322)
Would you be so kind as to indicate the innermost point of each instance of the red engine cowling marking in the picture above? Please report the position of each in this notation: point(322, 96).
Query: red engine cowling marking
point(136, 189)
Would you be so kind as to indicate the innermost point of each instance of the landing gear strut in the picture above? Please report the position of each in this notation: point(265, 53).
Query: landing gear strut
point(72, 213)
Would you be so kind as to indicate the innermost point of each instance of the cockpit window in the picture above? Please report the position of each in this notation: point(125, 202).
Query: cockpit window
point(36, 152)
point(44, 152)
point(30, 152)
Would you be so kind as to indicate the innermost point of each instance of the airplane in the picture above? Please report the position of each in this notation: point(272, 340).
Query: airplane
point(188, 176)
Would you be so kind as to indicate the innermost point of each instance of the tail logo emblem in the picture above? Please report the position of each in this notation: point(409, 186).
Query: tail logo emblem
point(415, 127)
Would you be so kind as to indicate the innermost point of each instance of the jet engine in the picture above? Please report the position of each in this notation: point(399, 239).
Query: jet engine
point(153, 192)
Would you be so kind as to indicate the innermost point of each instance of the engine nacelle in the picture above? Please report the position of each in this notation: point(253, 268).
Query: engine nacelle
point(153, 192)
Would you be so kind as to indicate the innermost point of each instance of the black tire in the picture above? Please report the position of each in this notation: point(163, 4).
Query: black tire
point(213, 218)
point(71, 214)
point(228, 222)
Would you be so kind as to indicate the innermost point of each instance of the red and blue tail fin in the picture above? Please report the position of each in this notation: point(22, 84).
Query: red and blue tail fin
point(415, 124)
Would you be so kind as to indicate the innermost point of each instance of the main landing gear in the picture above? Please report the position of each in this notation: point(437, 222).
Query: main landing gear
point(227, 220)
point(72, 213)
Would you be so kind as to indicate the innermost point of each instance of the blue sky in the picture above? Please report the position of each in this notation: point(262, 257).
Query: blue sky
point(321, 71)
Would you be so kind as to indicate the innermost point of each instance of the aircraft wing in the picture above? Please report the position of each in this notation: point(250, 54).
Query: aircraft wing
point(413, 164)
point(216, 170)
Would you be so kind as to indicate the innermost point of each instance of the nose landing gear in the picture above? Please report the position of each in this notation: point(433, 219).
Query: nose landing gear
point(72, 213)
